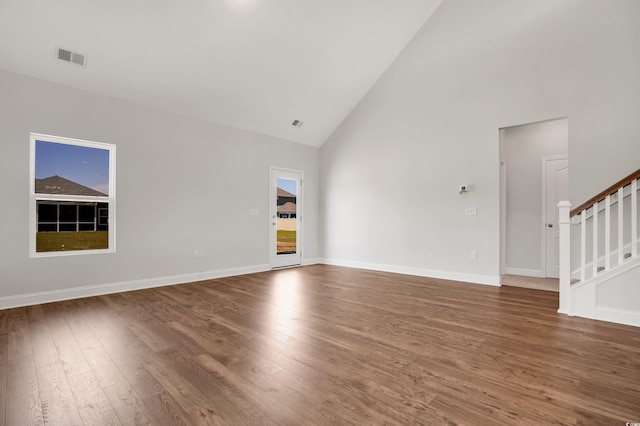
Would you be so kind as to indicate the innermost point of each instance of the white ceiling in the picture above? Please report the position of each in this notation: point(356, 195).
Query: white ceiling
point(251, 64)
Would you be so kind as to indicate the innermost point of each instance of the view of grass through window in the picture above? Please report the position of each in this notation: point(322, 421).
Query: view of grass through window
point(60, 241)
point(286, 241)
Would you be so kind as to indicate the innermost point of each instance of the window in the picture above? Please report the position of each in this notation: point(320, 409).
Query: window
point(72, 207)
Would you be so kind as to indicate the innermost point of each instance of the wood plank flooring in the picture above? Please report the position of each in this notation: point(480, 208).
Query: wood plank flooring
point(317, 345)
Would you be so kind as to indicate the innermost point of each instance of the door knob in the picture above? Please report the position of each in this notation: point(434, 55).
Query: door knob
point(550, 225)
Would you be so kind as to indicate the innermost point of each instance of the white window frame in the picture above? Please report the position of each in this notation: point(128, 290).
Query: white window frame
point(35, 197)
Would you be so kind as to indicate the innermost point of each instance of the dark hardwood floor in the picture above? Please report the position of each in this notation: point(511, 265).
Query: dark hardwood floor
point(312, 346)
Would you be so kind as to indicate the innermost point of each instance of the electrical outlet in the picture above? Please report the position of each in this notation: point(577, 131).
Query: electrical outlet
point(474, 255)
point(471, 211)
point(198, 253)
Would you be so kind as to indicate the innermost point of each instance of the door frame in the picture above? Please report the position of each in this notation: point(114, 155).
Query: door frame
point(273, 213)
point(543, 219)
point(502, 177)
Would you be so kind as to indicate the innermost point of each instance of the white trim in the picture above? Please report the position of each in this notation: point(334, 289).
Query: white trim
point(605, 275)
point(502, 165)
point(564, 254)
point(110, 199)
point(493, 280)
point(8, 302)
point(536, 273)
point(312, 261)
point(600, 262)
point(577, 219)
point(620, 316)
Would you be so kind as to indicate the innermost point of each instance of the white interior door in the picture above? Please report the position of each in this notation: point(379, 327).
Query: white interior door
point(557, 189)
point(286, 218)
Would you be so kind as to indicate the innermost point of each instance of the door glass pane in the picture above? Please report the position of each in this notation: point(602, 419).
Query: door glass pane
point(287, 214)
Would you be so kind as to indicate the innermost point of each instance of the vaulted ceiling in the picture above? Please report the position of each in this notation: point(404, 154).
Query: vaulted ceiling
point(252, 64)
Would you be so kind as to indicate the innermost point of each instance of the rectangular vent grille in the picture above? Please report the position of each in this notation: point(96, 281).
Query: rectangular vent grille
point(69, 56)
point(77, 58)
point(65, 55)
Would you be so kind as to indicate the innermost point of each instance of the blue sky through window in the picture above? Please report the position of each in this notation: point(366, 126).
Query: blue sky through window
point(288, 185)
point(84, 165)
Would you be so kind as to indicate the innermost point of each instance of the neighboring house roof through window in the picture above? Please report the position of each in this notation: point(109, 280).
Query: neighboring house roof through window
point(287, 208)
point(283, 193)
point(60, 185)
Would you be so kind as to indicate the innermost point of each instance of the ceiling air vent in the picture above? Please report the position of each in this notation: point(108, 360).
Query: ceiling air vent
point(69, 56)
point(297, 123)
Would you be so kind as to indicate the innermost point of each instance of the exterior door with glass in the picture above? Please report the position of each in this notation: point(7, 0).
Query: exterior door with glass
point(286, 218)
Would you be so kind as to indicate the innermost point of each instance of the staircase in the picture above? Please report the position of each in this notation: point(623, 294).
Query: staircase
point(599, 262)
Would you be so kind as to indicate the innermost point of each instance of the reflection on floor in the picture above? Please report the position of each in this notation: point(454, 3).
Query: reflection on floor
point(547, 284)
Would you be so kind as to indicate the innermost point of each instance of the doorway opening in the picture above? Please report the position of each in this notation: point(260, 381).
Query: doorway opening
point(533, 177)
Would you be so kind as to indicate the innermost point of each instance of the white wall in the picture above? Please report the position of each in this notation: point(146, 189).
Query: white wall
point(182, 184)
point(525, 146)
point(390, 172)
point(608, 294)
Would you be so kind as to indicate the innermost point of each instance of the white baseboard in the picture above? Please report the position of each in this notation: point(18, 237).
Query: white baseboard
point(536, 273)
point(619, 316)
point(430, 273)
point(16, 301)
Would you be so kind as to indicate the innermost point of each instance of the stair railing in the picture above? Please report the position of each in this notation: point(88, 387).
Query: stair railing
point(596, 238)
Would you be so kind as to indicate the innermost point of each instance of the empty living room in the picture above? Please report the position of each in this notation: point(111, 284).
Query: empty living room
point(251, 212)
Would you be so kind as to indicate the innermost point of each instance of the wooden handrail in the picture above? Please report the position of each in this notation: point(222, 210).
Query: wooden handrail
point(602, 195)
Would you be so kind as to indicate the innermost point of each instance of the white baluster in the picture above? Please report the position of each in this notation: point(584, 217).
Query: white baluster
point(607, 232)
point(564, 223)
point(634, 217)
point(594, 263)
point(620, 225)
point(583, 245)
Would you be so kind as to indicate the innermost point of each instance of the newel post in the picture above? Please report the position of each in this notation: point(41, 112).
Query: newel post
point(564, 224)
